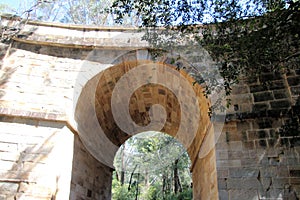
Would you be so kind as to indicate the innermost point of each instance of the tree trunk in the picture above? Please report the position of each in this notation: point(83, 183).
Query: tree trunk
point(129, 186)
point(147, 178)
point(164, 187)
point(177, 184)
point(137, 187)
point(122, 177)
point(123, 166)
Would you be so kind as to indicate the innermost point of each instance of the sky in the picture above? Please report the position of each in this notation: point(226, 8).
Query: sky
point(11, 3)
point(16, 4)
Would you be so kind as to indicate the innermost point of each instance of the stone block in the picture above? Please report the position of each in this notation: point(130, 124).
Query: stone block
point(280, 104)
point(8, 188)
point(37, 158)
point(245, 194)
point(293, 81)
point(234, 136)
point(245, 107)
point(254, 135)
point(241, 98)
point(222, 173)
point(80, 190)
point(246, 162)
point(222, 146)
point(271, 76)
point(41, 189)
point(271, 194)
point(258, 88)
point(260, 107)
point(237, 154)
point(223, 195)
point(221, 155)
point(277, 85)
point(10, 147)
point(8, 165)
point(240, 89)
point(243, 183)
point(8, 156)
point(248, 145)
point(243, 125)
point(280, 183)
point(243, 172)
point(235, 146)
point(228, 163)
point(22, 196)
point(266, 183)
point(263, 96)
point(222, 184)
point(264, 123)
point(294, 172)
point(262, 143)
point(280, 94)
point(295, 181)
point(251, 80)
point(277, 112)
point(295, 90)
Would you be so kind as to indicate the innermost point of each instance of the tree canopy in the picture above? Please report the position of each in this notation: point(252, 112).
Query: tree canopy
point(251, 36)
point(152, 165)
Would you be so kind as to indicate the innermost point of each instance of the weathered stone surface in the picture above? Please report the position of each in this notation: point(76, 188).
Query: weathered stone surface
point(293, 81)
point(89, 175)
point(243, 172)
point(243, 194)
point(223, 195)
point(280, 104)
point(254, 159)
point(263, 96)
point(244, 183)
point(8, 188)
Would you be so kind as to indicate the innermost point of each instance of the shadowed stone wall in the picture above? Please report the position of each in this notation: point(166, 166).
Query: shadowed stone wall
point(258, 151)
point(90, 178)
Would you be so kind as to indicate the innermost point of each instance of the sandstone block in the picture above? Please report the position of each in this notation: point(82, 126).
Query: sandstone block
point(243, 194)
point(243, 172)
point(263, 96)
point(8, 188)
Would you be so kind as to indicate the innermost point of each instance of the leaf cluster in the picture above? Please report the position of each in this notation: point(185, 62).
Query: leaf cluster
point(244, 38)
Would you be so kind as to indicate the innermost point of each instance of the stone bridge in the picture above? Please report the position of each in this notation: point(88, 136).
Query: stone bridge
point(71, 95)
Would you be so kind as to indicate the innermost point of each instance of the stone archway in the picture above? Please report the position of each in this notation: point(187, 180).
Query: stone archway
point(104, 124)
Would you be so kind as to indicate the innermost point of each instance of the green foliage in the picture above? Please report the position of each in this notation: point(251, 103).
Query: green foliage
point(153, 192)
point(150, 167)
point(186, 194)
point(252, 36)
point(243, 37)
point(120, 192)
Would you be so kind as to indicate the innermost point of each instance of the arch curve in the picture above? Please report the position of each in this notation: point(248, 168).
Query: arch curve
point(144, 95)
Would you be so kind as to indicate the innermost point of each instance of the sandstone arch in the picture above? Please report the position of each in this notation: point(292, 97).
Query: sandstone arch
point(102, 135)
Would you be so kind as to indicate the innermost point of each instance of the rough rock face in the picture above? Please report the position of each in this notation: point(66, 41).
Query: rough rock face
point(48, 72)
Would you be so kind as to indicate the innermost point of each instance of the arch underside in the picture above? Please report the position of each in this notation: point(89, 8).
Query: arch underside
point(101, 133)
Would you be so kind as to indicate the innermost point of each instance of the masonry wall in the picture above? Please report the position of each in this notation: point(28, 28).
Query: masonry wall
point(90, 178)
point(37, 146)
point(35, 159)
point(257, 152)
